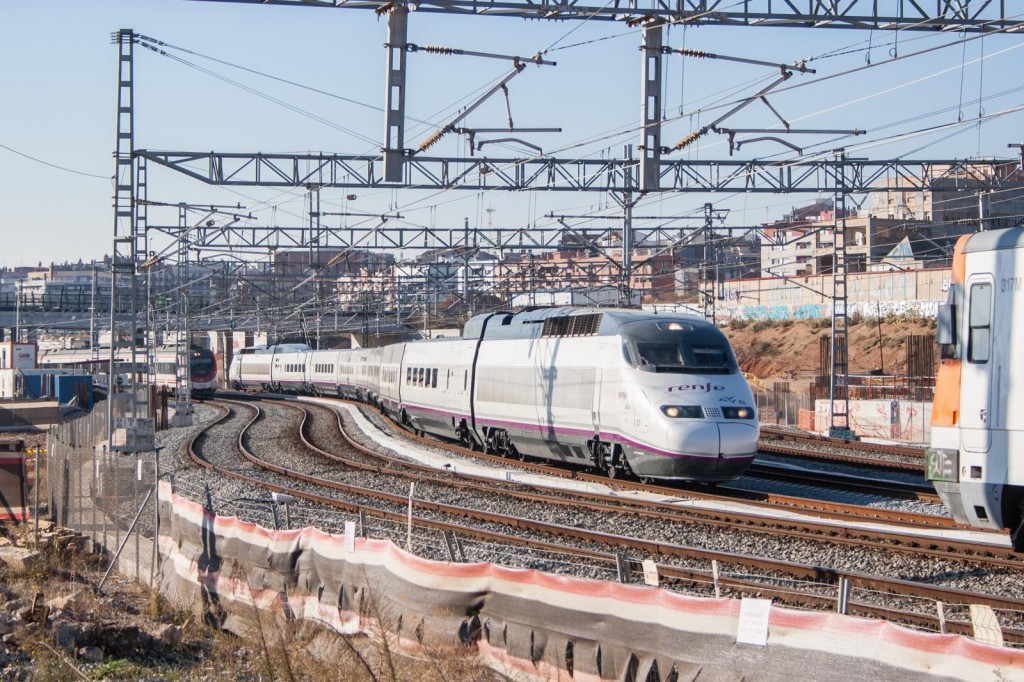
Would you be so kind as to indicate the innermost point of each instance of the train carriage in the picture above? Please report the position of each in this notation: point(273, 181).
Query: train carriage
point(322, 372)
point(288, 371)
point(976, 458)
point(434, 386)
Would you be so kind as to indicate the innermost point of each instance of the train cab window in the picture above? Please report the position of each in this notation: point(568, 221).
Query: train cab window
point(979, 340)
point(681, 349)
point(664, 354)
point(433, 381)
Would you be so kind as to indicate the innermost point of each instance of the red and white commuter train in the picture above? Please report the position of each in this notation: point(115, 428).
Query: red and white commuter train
point(623, 391)
point(202, 364)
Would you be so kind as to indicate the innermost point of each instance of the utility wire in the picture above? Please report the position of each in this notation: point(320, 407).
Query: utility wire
point(53, 165)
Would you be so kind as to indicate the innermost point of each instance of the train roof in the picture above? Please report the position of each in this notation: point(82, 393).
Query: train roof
point(563, 321)
point(275, 348)
point(995, 240)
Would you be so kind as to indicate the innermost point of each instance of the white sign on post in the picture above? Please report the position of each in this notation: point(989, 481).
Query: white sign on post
point(350, 536)
point(753, 623)
point(650, 573)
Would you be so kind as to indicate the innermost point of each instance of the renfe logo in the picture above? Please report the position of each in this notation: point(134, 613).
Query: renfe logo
point(700, 388)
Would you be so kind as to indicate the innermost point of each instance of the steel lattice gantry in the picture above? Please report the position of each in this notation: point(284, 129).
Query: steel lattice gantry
point(903, 15)
point(574, 175)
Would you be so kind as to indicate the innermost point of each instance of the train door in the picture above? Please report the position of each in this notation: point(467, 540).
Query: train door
point(976, 368)
point(603, 375)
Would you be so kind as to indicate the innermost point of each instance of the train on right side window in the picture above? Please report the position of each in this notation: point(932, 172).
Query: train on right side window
point(976, 458)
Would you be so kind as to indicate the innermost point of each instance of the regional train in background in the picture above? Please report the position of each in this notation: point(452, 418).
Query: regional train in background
point(622, 391)
point(202, 364)
point(976, 458)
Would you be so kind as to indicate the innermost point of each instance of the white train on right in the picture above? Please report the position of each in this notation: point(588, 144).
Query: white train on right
point(976, 458)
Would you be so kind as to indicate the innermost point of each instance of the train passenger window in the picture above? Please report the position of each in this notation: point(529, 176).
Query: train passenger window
point(979, 341)
point(433, 382)
point(408, 375)
point(422, 375)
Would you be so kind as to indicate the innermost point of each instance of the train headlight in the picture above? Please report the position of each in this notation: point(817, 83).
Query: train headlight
point(737, 413)
point(683, 411)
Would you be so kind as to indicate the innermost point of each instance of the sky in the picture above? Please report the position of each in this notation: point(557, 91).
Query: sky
point(59, 96)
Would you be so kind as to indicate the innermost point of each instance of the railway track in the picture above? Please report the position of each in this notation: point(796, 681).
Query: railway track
point(812, 446)
point(685, 576)
point(722, 494)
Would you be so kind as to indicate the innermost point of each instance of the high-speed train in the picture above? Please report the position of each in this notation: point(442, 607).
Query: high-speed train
point(976, 458)
point(202, 364)
point(622, 391)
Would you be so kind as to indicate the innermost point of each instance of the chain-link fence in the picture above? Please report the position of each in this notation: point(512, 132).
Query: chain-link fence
point(110, 497)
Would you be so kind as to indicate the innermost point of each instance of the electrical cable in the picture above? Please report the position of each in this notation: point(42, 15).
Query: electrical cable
point(53, 165)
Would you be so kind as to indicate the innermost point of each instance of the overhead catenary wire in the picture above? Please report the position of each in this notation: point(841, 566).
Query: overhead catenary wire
point(443, 190)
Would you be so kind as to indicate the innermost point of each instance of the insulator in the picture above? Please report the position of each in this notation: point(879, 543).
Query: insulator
point(432, 140)
point(687, 52)
point(436, 49)
point(690, 139)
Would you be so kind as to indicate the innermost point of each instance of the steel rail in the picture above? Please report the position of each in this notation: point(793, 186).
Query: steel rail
point(694, 491)
point(770, 434)
point(823, 575)
point(884, 540)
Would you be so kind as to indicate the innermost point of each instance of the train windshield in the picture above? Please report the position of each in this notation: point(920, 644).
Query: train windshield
point(688, 349)
point(202, 364)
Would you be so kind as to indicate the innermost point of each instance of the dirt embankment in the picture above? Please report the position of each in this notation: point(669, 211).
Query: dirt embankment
point(790, 351)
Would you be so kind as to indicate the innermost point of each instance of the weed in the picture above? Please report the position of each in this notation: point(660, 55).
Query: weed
point(117, 669)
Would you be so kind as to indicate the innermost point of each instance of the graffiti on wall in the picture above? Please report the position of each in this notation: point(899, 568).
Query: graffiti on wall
point(902, 420)
point(812, 311)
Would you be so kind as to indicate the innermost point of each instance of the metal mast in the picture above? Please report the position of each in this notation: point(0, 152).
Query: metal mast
point(839, 384)
point(127, 435)
point(182, 332)
point(394, 112)
point(708, 285)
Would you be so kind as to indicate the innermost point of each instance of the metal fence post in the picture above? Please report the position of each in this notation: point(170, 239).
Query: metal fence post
point(843, 601)
point(622, 567)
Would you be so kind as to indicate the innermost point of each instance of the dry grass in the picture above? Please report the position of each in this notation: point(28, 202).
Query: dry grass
point(275, 649)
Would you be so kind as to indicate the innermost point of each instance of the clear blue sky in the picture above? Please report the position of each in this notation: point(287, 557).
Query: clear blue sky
point(58, 101)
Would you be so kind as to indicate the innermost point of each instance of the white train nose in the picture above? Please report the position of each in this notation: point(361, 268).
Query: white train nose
point(737, 439)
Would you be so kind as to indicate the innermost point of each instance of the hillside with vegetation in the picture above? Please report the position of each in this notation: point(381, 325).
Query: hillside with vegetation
point(790, 350)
